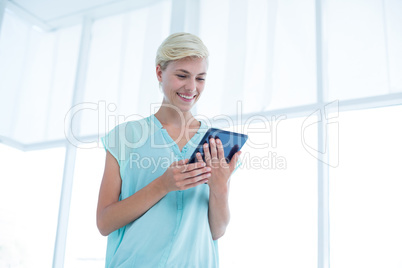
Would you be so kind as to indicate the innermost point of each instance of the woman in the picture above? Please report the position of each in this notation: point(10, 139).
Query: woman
point(157, 210)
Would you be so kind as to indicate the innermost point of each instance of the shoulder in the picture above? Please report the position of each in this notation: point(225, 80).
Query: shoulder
point(131, 126)
point(134, 132)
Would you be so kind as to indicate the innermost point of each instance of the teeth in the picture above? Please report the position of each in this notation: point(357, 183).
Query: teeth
point(186, 97)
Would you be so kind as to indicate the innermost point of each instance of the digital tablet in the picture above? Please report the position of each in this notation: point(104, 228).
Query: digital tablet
point(231, 142)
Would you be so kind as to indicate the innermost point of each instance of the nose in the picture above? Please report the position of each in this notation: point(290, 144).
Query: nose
point(191, 85)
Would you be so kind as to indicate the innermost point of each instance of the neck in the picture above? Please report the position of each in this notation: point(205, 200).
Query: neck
point(170, 116)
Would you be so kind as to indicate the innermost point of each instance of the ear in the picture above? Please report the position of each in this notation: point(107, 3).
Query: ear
point(159, 73)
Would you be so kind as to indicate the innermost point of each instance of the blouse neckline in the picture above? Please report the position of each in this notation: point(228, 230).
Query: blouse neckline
point(169, 139)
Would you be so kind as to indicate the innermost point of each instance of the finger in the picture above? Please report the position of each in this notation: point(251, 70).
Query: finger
point(189, 167)
point(182, 162)
point(234, 150)
point(234, 160)
point(179, 163)
point(201, 179)
point(207, 155)
point(212, 146)
point(193, 175)
point(221, 152)
point(199, 157)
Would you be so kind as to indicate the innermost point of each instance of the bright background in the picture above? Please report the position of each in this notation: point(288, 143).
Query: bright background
point(316, 85)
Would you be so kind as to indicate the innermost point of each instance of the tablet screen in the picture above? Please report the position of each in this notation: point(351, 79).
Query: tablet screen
point(232, 142)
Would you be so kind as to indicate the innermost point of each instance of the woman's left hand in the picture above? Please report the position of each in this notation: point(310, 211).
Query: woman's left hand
point(220, 169)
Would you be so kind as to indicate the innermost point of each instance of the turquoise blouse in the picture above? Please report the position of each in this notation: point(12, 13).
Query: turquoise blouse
point(175, 232)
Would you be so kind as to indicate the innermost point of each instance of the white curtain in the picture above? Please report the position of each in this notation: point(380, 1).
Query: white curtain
point(263, 58)
point(262, 55)
point(38, 71)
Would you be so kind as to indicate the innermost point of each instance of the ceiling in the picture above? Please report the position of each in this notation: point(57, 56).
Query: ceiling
point(50, 15)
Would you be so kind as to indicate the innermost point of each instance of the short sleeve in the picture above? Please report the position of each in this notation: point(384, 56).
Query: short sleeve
point(111, 142)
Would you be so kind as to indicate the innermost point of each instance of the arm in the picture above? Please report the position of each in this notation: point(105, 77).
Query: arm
point(113, 214)
point(218, 213)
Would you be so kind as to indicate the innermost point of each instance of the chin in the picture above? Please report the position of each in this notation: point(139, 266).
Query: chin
point(185, 109)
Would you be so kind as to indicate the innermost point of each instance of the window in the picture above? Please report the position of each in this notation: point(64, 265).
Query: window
point(365, 190)
point(29, 203)
point(273, 199)
point(86, 247)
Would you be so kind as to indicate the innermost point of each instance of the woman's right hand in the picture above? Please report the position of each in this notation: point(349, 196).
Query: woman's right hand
point(182, 176)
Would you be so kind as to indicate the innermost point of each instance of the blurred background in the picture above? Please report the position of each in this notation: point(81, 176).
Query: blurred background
point(316, 84)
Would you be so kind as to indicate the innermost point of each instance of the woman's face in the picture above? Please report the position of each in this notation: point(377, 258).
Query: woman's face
point(183, 82)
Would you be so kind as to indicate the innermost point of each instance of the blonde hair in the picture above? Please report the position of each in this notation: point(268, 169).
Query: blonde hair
point(178, 46)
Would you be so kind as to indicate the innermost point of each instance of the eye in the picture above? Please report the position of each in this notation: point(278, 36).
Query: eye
point(181, 76)
point(201, 79)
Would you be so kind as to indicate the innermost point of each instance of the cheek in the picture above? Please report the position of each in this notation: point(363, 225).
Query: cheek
point(200, 91)
point(201, 88)
point(174, 84)
point(169, 86)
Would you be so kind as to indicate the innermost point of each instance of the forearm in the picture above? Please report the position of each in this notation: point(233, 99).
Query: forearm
point(123, 212)
point(218, 213)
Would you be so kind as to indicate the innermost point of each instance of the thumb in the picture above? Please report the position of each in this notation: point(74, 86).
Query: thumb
point(179, 163)
point(234, 160)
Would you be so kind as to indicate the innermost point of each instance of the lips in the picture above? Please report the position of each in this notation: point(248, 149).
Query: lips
point(186, 97)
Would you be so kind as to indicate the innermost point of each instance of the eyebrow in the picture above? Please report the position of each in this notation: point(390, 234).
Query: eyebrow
point(187, 72)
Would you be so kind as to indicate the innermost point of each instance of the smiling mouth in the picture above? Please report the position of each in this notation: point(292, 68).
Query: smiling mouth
point(186, 97)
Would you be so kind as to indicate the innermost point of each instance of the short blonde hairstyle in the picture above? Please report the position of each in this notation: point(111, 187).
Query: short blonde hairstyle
point(178, 46)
